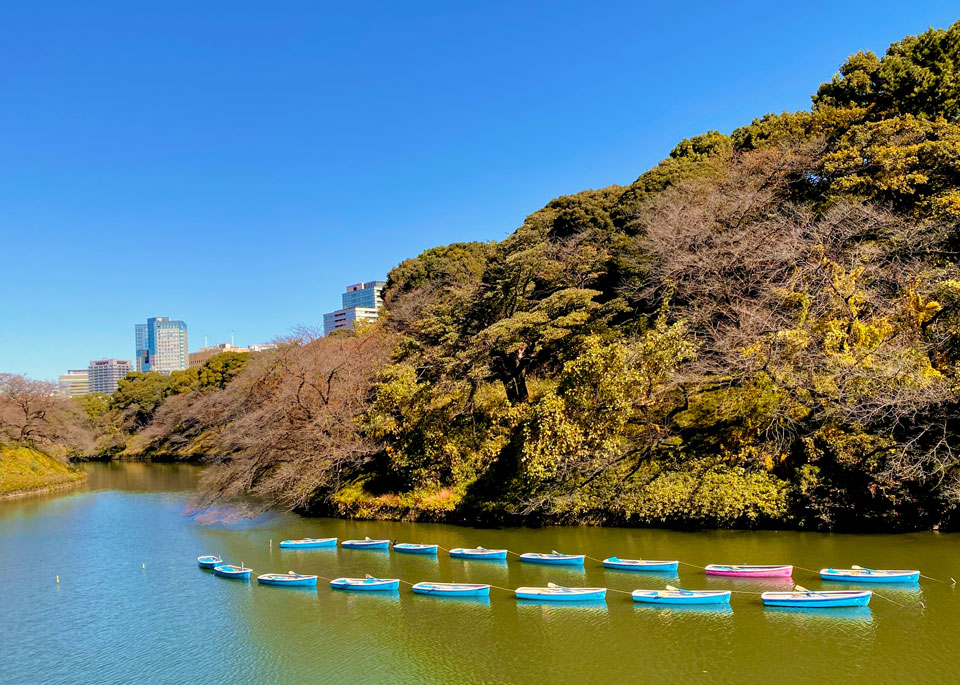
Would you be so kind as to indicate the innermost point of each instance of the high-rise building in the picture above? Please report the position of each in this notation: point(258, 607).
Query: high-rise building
point(161, 345)
point(75, 383)
point(361, 303)
point(104, 374)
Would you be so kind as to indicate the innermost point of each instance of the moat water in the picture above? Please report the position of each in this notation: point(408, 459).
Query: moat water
point(132, 606)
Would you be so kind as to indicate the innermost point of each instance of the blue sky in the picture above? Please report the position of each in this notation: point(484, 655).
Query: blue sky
point(235, 164)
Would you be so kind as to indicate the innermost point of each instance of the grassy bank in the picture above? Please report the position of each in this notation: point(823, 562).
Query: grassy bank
point(23, 470)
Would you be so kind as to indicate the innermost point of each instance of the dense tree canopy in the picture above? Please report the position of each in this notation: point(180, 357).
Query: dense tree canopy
point(762, 329)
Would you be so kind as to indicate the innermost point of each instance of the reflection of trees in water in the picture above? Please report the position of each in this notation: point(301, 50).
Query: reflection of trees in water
point(142, 476)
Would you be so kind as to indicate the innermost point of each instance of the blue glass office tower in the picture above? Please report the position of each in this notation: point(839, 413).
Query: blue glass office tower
point(161, 345)
point(361, 303)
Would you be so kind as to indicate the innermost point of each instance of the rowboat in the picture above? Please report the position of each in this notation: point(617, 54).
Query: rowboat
point(558, 593)
point(411, 548)
point(478, 553)
point(452, 589)
point(367, 584)
point(749, 571)
point(209, 561)
point(554, 558)
point(640, 564)
point(821, 599)
point(366, 543)
point(231, 571)
point(307, 543)
point(673, 595)
point(856, 574)
point(288, 579)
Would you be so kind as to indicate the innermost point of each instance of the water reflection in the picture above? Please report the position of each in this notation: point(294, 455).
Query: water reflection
point(352, 599)
point(680, 609)
point(479, 601)
point(821, 616)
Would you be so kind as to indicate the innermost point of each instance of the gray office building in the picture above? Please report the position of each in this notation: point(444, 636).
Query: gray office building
point(104, 374)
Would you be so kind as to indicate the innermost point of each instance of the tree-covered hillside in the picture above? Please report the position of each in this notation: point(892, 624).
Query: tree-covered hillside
point(762, 329)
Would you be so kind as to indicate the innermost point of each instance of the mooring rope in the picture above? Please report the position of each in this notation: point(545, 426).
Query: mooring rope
point(937, 580)
point(902, 606)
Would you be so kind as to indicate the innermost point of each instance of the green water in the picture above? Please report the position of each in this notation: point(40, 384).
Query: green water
point(111, 620)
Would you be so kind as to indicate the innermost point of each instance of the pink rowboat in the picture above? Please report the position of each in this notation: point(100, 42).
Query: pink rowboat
point(749, 571)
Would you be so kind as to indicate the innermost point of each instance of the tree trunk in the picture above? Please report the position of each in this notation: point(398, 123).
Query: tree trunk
point(516, 386)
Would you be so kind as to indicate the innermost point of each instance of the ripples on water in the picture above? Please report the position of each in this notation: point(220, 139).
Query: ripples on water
point(111, 621)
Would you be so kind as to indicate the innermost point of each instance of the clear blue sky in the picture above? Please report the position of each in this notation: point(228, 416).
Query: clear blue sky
point(235, 164)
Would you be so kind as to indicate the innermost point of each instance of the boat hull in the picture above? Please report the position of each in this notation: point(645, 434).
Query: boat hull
point(365, 544)
point(361, 585)
point(749, 571)
point(478, 555)
point(681, 598)
point(816, 600)
point(553, 560)
point(849, 576)
point(452, 590)
point(230, 573)
point(415, 549)
point(305, 581)
point(641, 565)
point(308, 544)
point(542, 594)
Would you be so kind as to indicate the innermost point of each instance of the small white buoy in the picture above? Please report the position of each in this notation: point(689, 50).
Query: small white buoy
point(58, 580)
point(271, 543)
point(143, 566)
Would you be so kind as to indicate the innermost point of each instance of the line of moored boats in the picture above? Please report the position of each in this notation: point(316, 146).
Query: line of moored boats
point(798, 597)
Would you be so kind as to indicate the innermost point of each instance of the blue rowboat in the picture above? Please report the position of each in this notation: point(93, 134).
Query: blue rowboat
point(231, 571)
point(367, 584)
point(558, 593)
point(478, 553)
point(411, 548)
point(856, 574)
point(366, 543)
point(640, 564)
point(288, 579)
point(452, 589)
point(674, 595)
point(308, 543)
point(817, 600)
point(209, 561)
point(553, 559)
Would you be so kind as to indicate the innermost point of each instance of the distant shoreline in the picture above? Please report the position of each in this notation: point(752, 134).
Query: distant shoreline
point(44, 489)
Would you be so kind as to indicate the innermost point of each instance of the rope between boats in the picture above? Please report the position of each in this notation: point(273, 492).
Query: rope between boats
point(937, 580)
point(809, 570)
point(693, 565)
point(876, 594)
